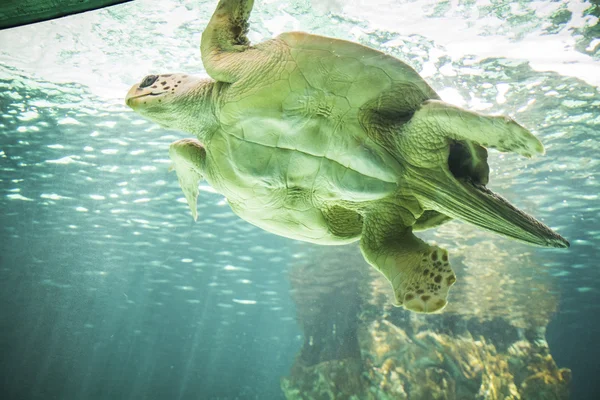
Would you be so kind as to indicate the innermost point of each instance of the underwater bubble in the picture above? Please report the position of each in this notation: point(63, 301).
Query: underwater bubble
point(18, 197)
point(240, 301)
point(584, 289)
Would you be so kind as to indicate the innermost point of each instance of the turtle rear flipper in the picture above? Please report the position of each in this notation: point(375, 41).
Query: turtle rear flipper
point(188, 158)
point(420, 274)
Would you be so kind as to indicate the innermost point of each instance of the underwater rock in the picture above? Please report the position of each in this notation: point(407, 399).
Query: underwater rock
point(327, 308)
point(358, 347)
point(429, 365)
point(336, 379)
point(536, 372)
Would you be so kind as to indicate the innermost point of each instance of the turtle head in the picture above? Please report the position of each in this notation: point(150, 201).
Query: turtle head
point(174, 101)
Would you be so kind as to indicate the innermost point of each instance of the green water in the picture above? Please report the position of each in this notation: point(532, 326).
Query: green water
point(110, 290)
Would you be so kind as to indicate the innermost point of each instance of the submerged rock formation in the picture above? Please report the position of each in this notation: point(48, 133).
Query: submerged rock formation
point(430, 365)
point(489, 344)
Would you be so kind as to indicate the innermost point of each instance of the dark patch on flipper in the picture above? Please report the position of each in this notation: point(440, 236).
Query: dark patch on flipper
point(469, 162)
point(428, 293)
point(237, 12)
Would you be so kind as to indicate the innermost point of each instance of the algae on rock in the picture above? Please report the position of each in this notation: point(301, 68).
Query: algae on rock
point(358, 347)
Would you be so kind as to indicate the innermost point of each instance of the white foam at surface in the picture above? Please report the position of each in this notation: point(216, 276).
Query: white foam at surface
point(108, 51)
point(461, 37)
point(452, 96)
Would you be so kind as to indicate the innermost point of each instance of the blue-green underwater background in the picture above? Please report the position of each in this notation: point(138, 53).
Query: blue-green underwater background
point(109, 290)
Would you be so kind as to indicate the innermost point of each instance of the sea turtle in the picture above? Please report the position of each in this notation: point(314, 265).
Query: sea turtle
point(328, 141)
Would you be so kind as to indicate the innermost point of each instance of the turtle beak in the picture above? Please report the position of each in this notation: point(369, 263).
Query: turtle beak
point(136, 92)
point(133, 94)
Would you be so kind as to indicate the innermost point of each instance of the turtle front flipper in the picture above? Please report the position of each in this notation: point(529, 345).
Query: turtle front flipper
point(447, 169)
point(224, 42)
point(420, 274)
point(188, 157)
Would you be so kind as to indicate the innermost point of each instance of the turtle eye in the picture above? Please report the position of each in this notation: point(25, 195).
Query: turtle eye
point(149, 80)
